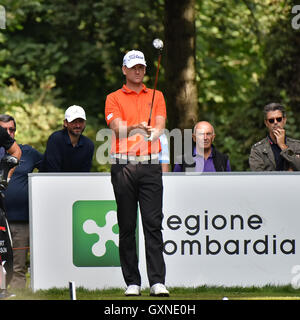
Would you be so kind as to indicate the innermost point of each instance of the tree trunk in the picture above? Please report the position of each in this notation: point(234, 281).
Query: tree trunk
point(179, 61)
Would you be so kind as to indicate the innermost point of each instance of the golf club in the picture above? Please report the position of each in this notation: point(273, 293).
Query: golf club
point(157, 44)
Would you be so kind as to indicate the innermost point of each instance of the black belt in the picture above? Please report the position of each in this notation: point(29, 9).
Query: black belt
point(123, 159)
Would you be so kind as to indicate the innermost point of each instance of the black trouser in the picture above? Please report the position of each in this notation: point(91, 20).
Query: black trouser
point(139, 183)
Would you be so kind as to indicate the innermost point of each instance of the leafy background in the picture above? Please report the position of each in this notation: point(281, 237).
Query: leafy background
point(57, 53)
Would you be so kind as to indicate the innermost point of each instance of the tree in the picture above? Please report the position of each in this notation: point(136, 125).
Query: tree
point(243, 59)
point(222, 61)
point(180, 68)
point(281, 80)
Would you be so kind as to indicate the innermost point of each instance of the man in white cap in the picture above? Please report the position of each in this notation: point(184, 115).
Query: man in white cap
point(136, 173)
point(67, 149)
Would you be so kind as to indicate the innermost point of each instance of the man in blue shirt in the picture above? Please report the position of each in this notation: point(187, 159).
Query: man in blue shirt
point(67, 149)
point(163, 157)
point(17, 204)
point(205, 157)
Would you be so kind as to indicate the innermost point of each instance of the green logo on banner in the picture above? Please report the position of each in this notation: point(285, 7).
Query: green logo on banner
point(95, 234)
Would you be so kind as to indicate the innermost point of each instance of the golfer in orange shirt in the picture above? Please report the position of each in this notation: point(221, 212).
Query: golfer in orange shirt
point(136, 173)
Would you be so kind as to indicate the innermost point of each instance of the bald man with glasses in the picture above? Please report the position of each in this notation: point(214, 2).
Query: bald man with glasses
point(276, 152)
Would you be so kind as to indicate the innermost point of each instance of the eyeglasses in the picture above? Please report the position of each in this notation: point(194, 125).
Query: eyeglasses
point(11, 130)
point(272, 120)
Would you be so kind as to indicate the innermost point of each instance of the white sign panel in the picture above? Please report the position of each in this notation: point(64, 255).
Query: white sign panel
point(219, 229)
point(232, 230)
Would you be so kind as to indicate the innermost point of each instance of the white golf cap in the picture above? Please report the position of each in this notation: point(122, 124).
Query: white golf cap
point(133, 58)
point(74, 112)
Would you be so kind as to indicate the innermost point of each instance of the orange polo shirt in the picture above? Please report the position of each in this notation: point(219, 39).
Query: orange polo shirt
point(134, 108)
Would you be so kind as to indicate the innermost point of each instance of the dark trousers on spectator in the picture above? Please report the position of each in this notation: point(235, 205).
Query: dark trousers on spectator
point(139, 183)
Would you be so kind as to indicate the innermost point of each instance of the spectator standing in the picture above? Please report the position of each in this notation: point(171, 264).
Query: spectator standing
point(17, 203)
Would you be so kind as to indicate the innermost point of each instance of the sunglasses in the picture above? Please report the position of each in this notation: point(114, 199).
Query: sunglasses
point(272, 120)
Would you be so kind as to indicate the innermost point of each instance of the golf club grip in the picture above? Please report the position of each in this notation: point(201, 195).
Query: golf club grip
point(155, 85)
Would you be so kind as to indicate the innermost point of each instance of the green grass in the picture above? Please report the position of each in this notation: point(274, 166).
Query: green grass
point(176, 293)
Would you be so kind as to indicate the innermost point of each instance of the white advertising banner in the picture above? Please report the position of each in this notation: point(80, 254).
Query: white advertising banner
point(230, 229)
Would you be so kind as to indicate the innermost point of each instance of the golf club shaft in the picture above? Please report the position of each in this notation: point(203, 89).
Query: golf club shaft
point(155, 85)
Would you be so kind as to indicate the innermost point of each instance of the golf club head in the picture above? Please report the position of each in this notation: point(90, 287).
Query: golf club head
point(158, 44)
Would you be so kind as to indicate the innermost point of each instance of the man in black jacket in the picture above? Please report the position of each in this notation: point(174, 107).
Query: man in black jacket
point(205, 157)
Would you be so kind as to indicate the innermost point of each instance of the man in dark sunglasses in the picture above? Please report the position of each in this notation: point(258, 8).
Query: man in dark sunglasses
point(276, 152)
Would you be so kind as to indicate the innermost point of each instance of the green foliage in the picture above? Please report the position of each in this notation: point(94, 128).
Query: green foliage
point(80, 43)
point(245, 57)
point(36, 118)
point(57, 53)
